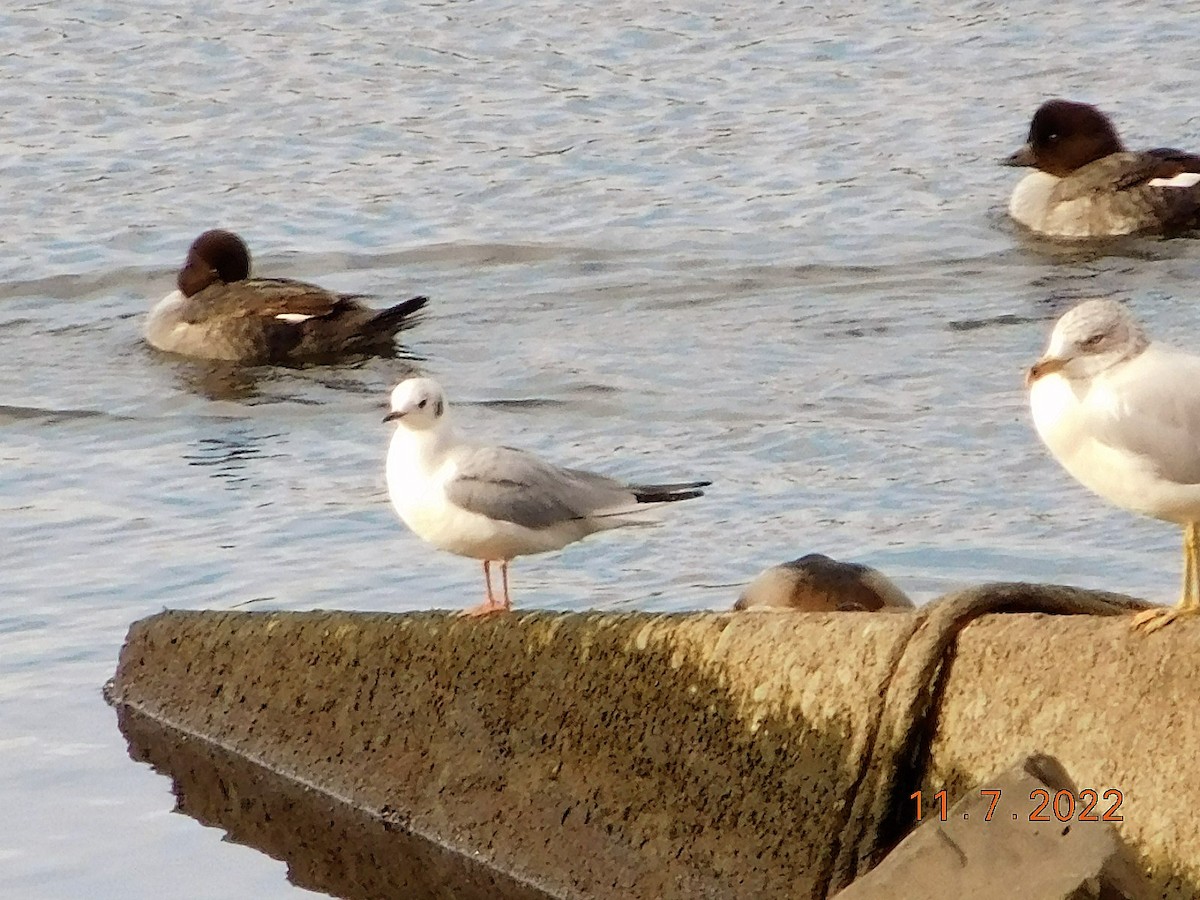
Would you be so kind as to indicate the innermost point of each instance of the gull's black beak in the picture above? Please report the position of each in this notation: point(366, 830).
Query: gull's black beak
point(393, 416)
point(1023, 157)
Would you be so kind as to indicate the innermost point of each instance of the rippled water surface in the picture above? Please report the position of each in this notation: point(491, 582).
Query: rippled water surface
point(764, 245)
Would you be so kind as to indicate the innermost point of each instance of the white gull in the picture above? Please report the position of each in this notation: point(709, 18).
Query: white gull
point(496, 503)
point(1122, 415)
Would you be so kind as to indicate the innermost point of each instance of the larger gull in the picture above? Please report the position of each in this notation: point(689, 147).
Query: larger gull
point(497, 503)
point(1122, 415)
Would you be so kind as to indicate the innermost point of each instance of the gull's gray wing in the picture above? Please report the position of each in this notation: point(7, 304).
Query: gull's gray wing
point(1152, 409)
point(515, 486)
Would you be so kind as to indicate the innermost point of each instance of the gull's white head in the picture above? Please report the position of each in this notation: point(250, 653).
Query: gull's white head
point(1089, 338)
point(417, 404)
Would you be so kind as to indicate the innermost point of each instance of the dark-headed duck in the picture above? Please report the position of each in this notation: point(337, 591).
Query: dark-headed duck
point(1086, 183)
point(220, 312)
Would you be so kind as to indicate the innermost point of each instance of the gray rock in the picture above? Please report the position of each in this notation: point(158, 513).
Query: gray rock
point(1006, 855)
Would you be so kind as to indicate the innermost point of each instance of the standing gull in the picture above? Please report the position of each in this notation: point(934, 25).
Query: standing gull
point(219, 312)
point(497, 503)
point(1122, 415)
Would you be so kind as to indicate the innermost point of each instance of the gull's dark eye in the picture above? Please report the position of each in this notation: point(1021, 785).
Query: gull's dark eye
point(422, 404)
point(1093, 342)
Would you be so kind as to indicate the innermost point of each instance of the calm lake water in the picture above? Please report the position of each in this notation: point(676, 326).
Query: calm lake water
point(764, 245)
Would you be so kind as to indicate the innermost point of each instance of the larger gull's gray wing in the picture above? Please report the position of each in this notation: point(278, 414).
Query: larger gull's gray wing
point(514, 486)
point(1154, 412)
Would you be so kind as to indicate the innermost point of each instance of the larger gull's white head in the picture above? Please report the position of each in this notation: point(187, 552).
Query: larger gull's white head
point(1090, 338)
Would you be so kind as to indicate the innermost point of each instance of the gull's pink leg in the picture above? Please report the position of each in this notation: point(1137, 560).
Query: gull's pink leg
point(504, 575)
point(491, 605)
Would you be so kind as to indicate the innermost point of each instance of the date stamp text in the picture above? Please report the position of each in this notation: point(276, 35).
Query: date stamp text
point(1063, 806)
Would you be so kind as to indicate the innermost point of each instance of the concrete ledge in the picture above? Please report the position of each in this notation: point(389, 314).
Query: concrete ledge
point(1120, 711)
point(632, 755)
point(706, 755)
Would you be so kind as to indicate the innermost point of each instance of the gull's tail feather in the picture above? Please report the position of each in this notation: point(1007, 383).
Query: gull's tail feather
point(668, 493)
point(646, 497)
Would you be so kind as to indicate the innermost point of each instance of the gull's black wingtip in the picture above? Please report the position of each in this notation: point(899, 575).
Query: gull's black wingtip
point(669, 493)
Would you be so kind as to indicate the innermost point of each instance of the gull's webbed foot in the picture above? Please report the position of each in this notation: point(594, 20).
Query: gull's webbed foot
point(487, 608)
point(1151, 620)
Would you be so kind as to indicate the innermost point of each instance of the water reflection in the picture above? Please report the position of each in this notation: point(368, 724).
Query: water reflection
point(327, 845)
point(220, 380)
point(229, 381)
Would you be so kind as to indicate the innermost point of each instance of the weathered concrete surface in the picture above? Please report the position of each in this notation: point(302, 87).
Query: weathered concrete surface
point(1119, 710)
point(988, 848)
point(880, 810)
point(709, 755)
point(593, 756)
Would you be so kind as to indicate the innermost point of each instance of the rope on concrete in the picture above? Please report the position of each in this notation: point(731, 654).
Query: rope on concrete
point(895, 757)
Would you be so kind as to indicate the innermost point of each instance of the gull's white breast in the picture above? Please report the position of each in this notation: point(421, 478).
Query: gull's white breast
point(1071, 420)
point(417, 476)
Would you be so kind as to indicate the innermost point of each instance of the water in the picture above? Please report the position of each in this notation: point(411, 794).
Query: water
point(761, 245)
